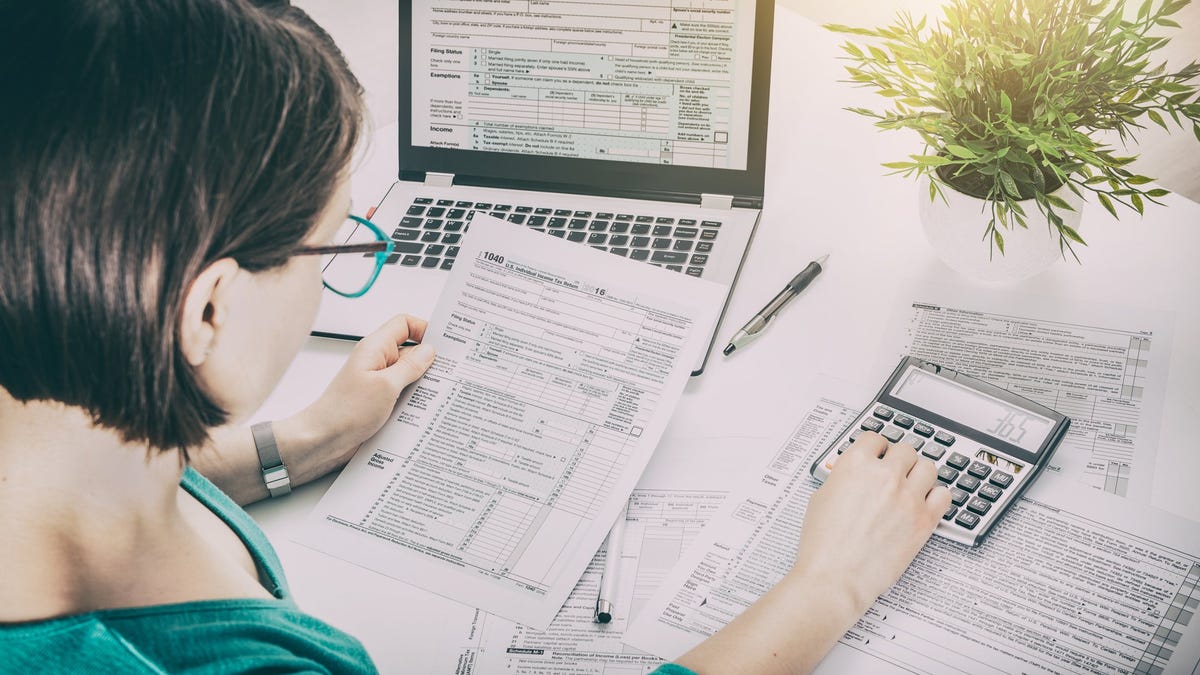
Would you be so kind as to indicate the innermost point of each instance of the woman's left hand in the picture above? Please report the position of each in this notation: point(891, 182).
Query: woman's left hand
point(361, 397)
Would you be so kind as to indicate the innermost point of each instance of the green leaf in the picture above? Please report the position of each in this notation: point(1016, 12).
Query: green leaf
point(1137, 203)
point(1158, 192)
point(901, 166)
point(960, 151)
point(1071, 234)
point(1009, 185)
point(1107, 204)
point(1144, 10)
point(1005, 103)
point(1157, 119)
point(1138, 180)
point(999, 240)
point(1196, 130)
point(1059, 202)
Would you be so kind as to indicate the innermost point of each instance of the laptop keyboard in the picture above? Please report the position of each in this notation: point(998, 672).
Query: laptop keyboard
point(430, 232)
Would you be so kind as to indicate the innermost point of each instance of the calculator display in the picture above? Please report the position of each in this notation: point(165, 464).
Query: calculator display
point(975, 409)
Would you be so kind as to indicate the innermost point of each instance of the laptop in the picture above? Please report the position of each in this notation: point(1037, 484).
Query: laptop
point(638, 130)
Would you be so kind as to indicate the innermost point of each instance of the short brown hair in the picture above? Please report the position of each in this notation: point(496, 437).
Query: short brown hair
point(141, 140)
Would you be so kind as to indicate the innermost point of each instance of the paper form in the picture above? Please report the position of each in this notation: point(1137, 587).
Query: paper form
point(661, 524)
point(1071, 580)
point(1105, 367)
point(504, 466)
point(659, 81)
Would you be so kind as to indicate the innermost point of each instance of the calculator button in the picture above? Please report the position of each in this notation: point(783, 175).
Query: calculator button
point(980, 506)
point(1001, 479)
point(958, 461)
point(871, 424)
point(979, 470)
point(854, 435)
point(892, 434)
point(950, 511)
point(944, 438)
point(959, 497)
point(968, 483)
point(923, 429)
point(947, 474)
point(931, 451)
point(967, 519)
point(903, 421)
point(844, 447)
point(883, 413)
point(990, 492)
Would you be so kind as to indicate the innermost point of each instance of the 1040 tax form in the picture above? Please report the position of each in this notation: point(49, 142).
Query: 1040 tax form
point(504, 467)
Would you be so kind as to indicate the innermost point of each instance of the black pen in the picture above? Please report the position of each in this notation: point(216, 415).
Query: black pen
point(759, 322)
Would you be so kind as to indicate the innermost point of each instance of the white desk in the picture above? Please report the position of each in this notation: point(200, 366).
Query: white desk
point(825, 193)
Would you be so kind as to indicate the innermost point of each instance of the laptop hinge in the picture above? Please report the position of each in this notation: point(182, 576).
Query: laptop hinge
point(435, 179)
point(710, 201)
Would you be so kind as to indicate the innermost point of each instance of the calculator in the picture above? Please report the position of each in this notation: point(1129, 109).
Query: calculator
point(988, 443)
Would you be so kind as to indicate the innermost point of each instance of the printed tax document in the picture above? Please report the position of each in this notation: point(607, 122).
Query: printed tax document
point(1071, 580)
point(504, 467)
point(1104, 366)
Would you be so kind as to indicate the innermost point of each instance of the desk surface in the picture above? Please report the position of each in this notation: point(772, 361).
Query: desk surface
point(826, 193)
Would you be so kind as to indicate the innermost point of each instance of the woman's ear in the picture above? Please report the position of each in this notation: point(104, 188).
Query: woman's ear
point(206, 307)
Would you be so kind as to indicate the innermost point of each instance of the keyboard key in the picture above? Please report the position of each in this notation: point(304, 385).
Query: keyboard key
point(524, 209)
point(562, 212)
point(903, 421)
point(456, 213)
point(967, 519)
point(980, 506)
point(517, 218)
point(422, 200)
point(623, 252)
point(665, 220)
point(481, 206)
point(695, 271)
point(675, 268)
point(645, 219)
point(583, 214)
point(686, 232)
point(536, 221)
point(871, 424)
point(415, 210)
point(944, 438)
point(464, 205)
point(686, 221)
point(669, 257)
point(639, 254)
point(543, 211)
point(451, 238)
point(618, 239)
point(604, 216)
point(699, 259)
point(447, 263)
point(410, 222)
point(979, 469)
point(661, 231)
point(391, 259)
point(917, 443)
point(597, 238)
point(410, 260)
point(641, 229)
point(558, 233)
point(445, 202)
point(682, 245)
point(923, 429)
point(661, 242)
point(958, 497)
point(958, 461)
point(883, 412)
point(577, 223)
point(406, 247)
point(968, 483)
point(557, 222)
point(704, 247)
point(930, 450)
point(434, 249)
point(452, 251)
point(436, 211)
point(598, 226)
point(950, 511)
point(892, 434)
point(576, 236)
point(430, 235)
point(711, 223)
point(947, 474)
point(624, 216)
point(502, 207)
point(453, 225)
point(990, 492)
point(434, 224)
point(406, 235)
point(619, 227)
point(640, 242)
point(1001, 479)
point(430, 262)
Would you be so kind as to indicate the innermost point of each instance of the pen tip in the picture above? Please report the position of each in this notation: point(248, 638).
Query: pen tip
point(728, 349)
point(822, 259)
point(603, 617)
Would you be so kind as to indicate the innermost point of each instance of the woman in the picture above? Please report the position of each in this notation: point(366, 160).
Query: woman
point(166, 170)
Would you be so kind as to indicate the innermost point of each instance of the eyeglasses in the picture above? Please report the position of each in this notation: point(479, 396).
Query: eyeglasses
point(348, 280)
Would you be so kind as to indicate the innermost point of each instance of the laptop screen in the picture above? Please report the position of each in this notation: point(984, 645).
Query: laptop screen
point(614, 97)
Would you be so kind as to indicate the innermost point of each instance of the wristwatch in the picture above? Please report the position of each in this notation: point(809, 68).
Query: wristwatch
point(274, 472)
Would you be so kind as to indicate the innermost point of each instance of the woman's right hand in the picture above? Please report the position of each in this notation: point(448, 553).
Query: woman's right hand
point(864, 526)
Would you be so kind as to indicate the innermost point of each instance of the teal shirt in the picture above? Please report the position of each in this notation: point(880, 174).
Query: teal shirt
point(211, 636)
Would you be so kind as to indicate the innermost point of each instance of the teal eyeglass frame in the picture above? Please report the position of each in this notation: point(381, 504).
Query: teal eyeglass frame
point(382, 249)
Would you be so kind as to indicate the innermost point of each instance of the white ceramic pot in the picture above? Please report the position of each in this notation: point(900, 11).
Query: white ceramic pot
point(955, 228)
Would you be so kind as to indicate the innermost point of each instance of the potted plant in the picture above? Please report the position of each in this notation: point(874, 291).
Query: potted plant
point(1016, 102)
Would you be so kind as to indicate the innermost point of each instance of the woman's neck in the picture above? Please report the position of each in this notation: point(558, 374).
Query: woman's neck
point(74, 492)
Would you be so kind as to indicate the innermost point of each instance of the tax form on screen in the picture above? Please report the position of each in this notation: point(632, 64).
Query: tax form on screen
point(660, 81)
point(503, 469)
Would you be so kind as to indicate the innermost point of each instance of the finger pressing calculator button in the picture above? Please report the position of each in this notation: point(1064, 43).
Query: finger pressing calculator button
point(1001, 479)
point(944, 438)
point(923, 429)
point(990, 492)
point(958, 461)
point(883, 413)
point(968, 483)
point(871, 424)
point(932, 451)
point(979, 470)
point(958, 497)
point(967, 519)
point(843, 447)
point(903, 421)
point(892, 434)
point(947, 474)
point(950, 511)
point(854, 435)
point(980, 506)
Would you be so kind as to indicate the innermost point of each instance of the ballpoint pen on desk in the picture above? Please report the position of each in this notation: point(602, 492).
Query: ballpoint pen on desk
point(758, 323)
point(612, 563)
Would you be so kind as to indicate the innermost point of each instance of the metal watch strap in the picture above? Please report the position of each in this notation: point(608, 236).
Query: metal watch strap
point(274, 473)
